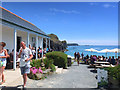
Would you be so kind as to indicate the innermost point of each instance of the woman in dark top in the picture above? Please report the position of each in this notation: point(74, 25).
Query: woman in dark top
point(78, 57)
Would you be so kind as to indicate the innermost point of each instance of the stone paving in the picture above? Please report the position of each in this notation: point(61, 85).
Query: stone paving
point(73, 77)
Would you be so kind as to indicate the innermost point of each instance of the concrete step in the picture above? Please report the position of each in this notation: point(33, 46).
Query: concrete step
point(56, 67)
point(59, 70)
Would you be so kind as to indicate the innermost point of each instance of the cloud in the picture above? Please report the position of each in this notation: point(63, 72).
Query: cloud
point(64, 11)
point(108, 5)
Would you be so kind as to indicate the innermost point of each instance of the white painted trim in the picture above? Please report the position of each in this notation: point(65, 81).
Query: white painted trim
point(28, 39)
point(36, 47)
point(42, 47)
point(15, 48)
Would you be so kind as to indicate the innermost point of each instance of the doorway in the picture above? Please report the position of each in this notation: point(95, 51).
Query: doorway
point(19, 39)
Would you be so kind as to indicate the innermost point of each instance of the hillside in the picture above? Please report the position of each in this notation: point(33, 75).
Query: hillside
point(56, 44)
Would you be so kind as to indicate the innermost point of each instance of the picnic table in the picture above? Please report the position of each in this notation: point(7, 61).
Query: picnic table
point(99, 62)
point(108, 65)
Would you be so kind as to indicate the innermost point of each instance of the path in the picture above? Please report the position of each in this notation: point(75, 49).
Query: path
point(74, 77)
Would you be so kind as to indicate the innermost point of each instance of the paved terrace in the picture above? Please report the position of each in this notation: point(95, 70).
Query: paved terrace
point(73, 77)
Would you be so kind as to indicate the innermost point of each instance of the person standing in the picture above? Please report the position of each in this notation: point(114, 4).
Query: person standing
point(82, 55)
point(78, 58)
point(26, 55)
point(3, 56)
point(75, 54)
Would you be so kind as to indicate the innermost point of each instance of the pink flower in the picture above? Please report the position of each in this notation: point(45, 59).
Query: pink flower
point(34, 71)
point(40, 70)
point(33, 67)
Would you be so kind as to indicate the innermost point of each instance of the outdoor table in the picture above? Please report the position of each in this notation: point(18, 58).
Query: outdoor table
point(107, 66)
point(98, 62)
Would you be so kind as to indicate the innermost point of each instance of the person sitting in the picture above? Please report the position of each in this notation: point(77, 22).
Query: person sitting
point(109, 60)
point(44, 51)
point(106, 59)
point(116, 61)
point(33, 53)
point(113, 60)
point(12, 58)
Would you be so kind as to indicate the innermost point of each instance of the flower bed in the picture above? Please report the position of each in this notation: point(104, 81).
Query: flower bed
point(41, 68)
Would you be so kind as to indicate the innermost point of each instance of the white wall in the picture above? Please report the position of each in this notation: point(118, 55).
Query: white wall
point(30, 37)
point(8, 37)
point(0, 32)
point(23, 35)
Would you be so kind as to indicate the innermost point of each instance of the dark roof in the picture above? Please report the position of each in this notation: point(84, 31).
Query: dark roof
point(15, 19)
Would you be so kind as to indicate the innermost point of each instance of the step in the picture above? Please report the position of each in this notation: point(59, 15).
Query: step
point(59, 70)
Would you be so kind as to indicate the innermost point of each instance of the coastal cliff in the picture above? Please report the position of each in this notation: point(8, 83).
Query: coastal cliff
point(73, 44)
point(56, 44)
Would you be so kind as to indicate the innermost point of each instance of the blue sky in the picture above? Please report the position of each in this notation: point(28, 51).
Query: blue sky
point(93, 23)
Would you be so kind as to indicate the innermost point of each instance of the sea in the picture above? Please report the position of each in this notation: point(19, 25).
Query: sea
point(81, 48)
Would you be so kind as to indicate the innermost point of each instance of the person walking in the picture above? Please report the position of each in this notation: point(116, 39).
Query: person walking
point(3, 56)
point(75, 54)
point(82, 55)
point(26, 55)
point(78, 58)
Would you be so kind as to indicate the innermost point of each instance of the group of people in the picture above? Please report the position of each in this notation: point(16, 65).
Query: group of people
point(25, 54)
point(39, 51)
point(77, 56)
point(92, 58)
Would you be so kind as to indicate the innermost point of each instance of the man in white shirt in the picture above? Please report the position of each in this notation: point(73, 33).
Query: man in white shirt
point(25, 55)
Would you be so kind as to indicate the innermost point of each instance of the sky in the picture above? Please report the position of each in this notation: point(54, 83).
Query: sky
point(85, 23)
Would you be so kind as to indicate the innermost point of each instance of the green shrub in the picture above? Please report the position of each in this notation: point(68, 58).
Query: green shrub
point(36, 63)
point(59, 58)
point(53, 68)
point(48, 62)
point(114, 72)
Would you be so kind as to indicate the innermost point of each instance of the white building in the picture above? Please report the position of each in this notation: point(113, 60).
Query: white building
point(14, 29)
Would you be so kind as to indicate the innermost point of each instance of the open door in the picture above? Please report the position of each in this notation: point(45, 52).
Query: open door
point(18, 43)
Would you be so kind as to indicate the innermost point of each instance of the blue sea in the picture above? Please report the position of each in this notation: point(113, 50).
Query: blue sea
point(82, 48)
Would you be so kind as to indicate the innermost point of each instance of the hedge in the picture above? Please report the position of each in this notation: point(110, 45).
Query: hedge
point(59, 58)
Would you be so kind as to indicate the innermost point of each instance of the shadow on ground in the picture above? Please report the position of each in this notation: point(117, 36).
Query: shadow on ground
point(93, 71)
point(19, 87)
